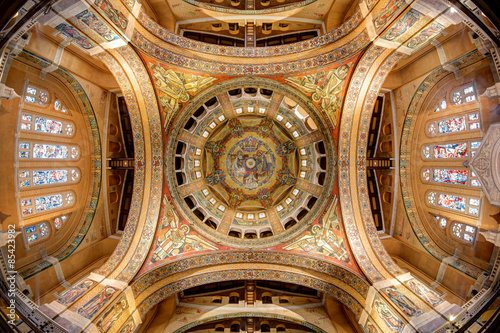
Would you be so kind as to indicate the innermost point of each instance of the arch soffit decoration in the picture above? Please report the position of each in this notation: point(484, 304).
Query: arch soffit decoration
point(416, 105)
point(143, 109)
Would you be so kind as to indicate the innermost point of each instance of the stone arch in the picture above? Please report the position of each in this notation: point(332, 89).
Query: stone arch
point(164, 287)
point(244, 315)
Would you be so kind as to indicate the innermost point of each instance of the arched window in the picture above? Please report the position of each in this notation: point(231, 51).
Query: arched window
point(465, 94)
point(234, 298)
point(450, 150)
point(235, 327)
point(441, 221)
point(265, 327)
point(467, 122)
point(462, 204)
point(463, 231)
point(266, 298)
point(46, 125)
point(47, 177)
point(46, 202)
point(37, 232)
point(48, 151)
point(36, 95)
point(450, 176)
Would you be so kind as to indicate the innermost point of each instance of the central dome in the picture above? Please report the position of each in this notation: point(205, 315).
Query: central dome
point(252, 163)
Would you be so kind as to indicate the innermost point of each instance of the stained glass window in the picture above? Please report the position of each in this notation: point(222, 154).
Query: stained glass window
point(463, 231)
point(48, 125)
point(24, 145)
point(37, 232)
point(58, 221)
point(465, 94)
point(44, 177)
point(451, 201)
point(452, 125)
point(49, 151)
point(26, 117)
point(443, 104)
point(441, 221)
point(458, 229)
point(452, 150)
point(44, 229)
point(24, 183)
point(27, 211)
point(458, 203)
point(35, 95)
point(26, 126)
point(48, 202)
point(426, 174)
point(57, 105)
point(24, 174)
point(26, 202)
point(24, 154)
point(450, 176)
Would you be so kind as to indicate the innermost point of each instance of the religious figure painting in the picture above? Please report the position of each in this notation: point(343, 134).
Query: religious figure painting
point(94, 23)
point(175, 237)
point(112, 315)
point(96, 303)
point(390, 9)
point(324, 238)
point(75, 292)
point(451, 150)
point(406, 305)
point(324, 88)
point(427, 294)
point(391, 320)
point(115, 15)
point(402, 26)
point(175, 87)
point(78, 38)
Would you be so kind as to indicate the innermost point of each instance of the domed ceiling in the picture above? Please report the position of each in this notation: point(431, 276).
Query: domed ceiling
point(242, 166)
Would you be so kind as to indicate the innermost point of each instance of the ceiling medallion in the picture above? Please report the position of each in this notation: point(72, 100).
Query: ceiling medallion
point(252, 164)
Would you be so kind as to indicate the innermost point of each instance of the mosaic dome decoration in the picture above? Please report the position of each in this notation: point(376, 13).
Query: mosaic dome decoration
point(251, 164)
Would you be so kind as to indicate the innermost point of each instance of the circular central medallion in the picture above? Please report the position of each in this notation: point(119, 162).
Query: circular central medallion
point(250, 163)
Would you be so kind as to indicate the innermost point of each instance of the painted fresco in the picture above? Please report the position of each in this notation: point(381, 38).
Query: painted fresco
point(175, 87)
point(250, 162)
point(175, 237)
point(325, 87)
point(390, 10)
point(129, 326)
point(112, 13)
point(75, 292)
point(96, 303)
point(75, 35)
point(112, 315)
point(93, 22)
point(387, 317)
point(406, 305)
point(425, 35)
point(426, 293)
point(403, 25)
point(323, 239)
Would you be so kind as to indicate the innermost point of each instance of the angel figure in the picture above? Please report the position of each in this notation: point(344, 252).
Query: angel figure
point(177, 239)
point(322, 239)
